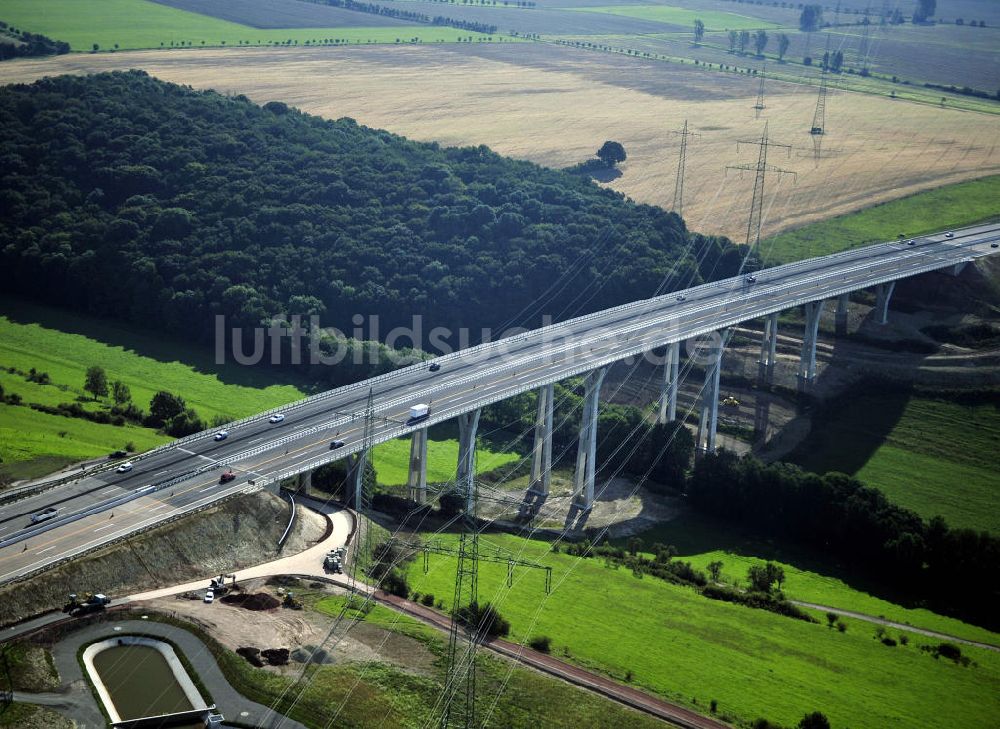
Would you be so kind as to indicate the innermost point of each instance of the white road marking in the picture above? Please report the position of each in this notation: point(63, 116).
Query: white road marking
point(43, 551)
point(106, 526)
point(160, 473)
point(185, 450)
point(207, 488)
point(157, 508)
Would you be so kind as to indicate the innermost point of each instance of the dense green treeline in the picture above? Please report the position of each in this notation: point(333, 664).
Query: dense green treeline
point(140, 200)
point(953, 571)
point(16, 43)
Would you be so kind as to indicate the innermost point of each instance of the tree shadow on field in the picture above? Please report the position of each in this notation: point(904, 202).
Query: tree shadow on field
point(157, 346)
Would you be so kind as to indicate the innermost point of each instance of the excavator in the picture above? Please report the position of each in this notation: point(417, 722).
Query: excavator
point(218, 584)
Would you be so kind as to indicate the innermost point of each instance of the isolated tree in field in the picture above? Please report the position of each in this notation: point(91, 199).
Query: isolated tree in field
point(783, 43)
point(95, 48)
point(699, 30)
point(837, 61)
point(760, 42)
point(744, 40)
point(611, 153)
point(925, 9)
point(120, 392)
point(164, 406)
point(734, 38)
point(831, 619)
point(811, 18)
point(96, 382)
point(715, 570)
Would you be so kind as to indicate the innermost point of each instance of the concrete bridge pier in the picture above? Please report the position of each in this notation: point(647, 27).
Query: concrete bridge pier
point(586, 452)
point(709, 420)
point(468, 424)
point(807, 362)
point(416, 482)
point(356, 481)
point(883, 292)
point(305, 482)
point(668, 390)
point(768, 350)
point(541, 456)
point(841, 320)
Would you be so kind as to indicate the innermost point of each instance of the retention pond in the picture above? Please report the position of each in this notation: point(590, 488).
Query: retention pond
point(137, 677)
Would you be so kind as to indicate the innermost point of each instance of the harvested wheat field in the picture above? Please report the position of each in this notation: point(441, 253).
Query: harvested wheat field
point(556, 106)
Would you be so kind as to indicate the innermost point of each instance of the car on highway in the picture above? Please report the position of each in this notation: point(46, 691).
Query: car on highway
point(751, 279)
point(222, 435)
point(681, 297)
point(335, 444)
point(44, 515)
point(911, 242)
point(125, 467)
point(949, 234)
point(276, 418)
point(209, 596)
point(994, 245)
point(227, 477)
point(434, 367)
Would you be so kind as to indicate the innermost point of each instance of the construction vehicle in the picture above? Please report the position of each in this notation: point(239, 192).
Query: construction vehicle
point(227, 476)
point(731, 402)
point(291, 601)
point(218, 584)
point(91, 603)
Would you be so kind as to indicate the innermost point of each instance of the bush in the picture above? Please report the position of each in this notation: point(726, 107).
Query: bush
point(541, 643)
point(486, 620)
point(427, 599)
point(815, 720)
point(394, 582)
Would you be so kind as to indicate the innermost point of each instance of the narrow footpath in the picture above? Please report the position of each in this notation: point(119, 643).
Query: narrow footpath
point(894, 624)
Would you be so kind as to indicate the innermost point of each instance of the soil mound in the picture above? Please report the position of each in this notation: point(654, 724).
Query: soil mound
point(255, 601)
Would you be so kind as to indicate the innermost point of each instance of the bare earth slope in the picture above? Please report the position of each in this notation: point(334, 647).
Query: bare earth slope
point(557, 106)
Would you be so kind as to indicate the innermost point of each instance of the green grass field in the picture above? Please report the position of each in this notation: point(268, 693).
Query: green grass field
point(701, 539)
point(64, 345)
point(135, 24)
point(936, 457)
point(713, 19)
point(391, 460)
point(951, 206)
point(34, 443)
point(687, 648)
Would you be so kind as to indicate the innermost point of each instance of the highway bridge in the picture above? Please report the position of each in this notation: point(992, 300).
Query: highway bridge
point(184, 476)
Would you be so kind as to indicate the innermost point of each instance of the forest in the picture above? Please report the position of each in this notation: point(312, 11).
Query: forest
point(131, 198)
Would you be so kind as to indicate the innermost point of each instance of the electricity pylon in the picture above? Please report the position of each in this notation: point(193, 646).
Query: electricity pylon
point(761, 169)
point(818, 128)
point(678, 206)
point(759, 106)
point(459, 698)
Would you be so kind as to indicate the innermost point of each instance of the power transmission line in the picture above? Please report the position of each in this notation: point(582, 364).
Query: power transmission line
point(678, 206)
point(759, 106)
point(760, 169)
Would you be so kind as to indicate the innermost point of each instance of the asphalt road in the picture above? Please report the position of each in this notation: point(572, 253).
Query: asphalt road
point(258, 450)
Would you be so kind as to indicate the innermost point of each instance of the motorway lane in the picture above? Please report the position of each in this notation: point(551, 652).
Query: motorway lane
point(490, 373)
